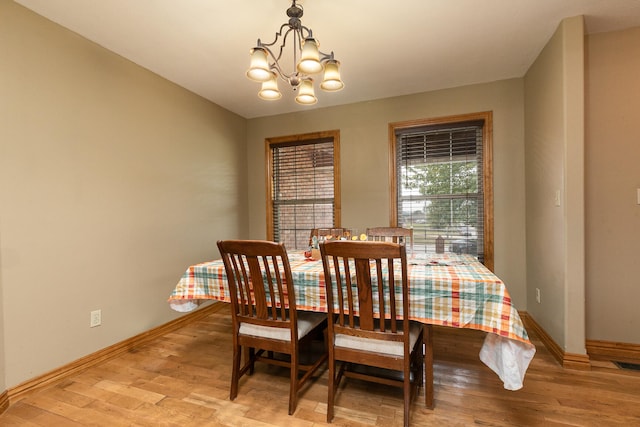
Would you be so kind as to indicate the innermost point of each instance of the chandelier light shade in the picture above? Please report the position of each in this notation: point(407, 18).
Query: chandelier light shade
point(306, 95)
point(269, 90)
point(259, 68)
point(331, 81)
point(310, 58)
point(266, 67)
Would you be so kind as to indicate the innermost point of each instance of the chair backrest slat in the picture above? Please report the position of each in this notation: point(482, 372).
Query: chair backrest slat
point(259, 295)
point(277, 266)
point(365, 294)
point(241, 280)
point(392, 295)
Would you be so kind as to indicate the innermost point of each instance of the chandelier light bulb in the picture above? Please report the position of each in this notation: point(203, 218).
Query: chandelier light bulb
point(269, 90)
point(332, 81)
point(259, 67)
point(310, 57)
point(306, 95)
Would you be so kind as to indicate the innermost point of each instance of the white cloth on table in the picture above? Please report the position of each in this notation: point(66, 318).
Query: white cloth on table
point(507, 358)
point(184, 305)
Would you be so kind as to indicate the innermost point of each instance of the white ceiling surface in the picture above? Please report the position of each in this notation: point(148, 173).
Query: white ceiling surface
point(386, 48)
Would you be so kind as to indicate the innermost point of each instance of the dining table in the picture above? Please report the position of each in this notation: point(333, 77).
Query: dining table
point(444, 289)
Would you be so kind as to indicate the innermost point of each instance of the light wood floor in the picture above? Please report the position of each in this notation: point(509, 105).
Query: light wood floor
point(182, 379)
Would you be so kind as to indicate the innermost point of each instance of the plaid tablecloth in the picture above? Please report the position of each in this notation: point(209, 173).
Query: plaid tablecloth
point(447, 290)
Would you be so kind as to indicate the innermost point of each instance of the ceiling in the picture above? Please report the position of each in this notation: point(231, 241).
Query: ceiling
point(386, 48)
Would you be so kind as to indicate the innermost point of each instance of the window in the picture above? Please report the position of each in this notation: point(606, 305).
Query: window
point(442, 184)
point(303, 186)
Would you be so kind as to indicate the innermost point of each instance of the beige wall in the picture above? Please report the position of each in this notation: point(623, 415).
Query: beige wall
point(554, 123)
point(112, 182)
point(612, 179)
point(364, 161)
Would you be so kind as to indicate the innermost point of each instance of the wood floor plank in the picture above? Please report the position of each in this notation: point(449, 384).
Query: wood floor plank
point(182, 379)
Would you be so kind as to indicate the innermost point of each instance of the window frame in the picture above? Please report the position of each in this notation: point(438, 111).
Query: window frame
point(487, 169)
point(302, 139)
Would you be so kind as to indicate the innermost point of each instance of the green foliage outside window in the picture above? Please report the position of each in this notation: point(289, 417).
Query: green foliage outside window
point(446, 186)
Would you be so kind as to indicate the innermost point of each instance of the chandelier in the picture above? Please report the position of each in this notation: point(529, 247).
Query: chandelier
point(266, 67)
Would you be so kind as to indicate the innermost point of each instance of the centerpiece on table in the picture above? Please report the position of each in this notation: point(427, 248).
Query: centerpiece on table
point(314, 251)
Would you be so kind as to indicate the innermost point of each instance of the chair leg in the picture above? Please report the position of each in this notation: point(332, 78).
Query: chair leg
point(235, 371)
point(406, 386)
point(331, 387)
point(293, 386)
point(428, 366)
point(252, 359)
point(417, 367)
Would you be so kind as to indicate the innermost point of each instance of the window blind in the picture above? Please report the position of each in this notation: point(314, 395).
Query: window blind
point(302, 190)
point(440, 186)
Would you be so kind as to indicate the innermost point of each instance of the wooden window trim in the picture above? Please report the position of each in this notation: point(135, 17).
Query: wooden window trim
point(302, 139)
point(487, 164)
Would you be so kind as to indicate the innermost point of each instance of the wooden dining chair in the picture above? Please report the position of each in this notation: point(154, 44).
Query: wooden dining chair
point(357, 337)
point(264, 314)
point(391, 234)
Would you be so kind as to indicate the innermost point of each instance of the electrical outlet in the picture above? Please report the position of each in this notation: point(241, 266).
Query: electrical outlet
point(96, 318)
point(538, 295)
